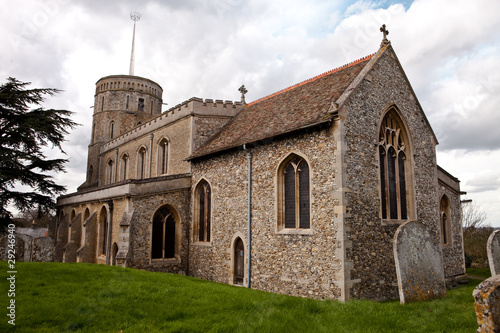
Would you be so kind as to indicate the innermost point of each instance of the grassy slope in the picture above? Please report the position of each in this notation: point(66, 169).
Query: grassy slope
point(52, 297)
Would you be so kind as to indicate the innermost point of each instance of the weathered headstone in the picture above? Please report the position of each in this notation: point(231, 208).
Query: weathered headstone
point(493, 249)
point(487, 304)
point(419, 266)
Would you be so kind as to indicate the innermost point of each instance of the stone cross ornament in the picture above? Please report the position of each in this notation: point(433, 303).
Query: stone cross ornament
point(243, 91)
point(384, 31)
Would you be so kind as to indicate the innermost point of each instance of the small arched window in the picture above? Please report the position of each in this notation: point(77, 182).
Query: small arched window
point(202, 211)
point(163, 234)
point(163, 157)
point(445, 223)
point(140, 104)
point(124, 167)
point(141, 163)
point(294, 194)
point(394, 168)
point(110, 171)
point(111, 129)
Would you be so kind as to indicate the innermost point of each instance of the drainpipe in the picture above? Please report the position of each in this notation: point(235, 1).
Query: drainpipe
point(249, 250)
point(108, 236)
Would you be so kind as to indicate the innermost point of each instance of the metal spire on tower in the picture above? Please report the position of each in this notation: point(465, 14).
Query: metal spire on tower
point(135, 16)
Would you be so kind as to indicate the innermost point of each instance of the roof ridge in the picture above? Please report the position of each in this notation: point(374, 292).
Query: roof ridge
point(350, 64)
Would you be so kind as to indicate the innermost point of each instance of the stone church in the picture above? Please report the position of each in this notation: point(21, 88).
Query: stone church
point(299, 193)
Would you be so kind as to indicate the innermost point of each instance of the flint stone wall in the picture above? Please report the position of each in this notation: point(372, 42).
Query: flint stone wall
point(493, 249)
point(453, 252)
point(487, 305)
point(141, 226)
point(369, 256)
point(305, 265)
point(419, 266)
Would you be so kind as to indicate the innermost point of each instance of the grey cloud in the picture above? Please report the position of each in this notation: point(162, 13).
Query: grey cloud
point(483, 183)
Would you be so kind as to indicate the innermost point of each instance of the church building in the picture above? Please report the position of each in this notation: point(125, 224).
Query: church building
point(298, 193)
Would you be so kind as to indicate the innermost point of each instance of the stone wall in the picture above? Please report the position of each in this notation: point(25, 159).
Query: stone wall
point(301, 264)
point(453, 252)
point(205, 127)
point(370, 258)
point(141, 227)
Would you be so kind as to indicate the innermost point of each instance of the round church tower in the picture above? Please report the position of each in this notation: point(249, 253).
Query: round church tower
point(121, 102)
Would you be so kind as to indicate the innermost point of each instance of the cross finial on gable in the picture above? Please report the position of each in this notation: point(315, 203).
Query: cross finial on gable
point(383, 30)
point(243, 91)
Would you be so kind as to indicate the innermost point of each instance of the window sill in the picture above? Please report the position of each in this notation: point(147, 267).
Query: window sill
point(387, 222)
point(169, 261)
point(198, 243)
point(295, 232)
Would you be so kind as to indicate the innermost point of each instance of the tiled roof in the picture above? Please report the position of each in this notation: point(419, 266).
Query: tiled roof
point(299, 106)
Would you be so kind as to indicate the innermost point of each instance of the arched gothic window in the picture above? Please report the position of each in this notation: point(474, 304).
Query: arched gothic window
point(394, 168)
point(109, 172)
point(163, 234)
point(124, 167)
point(111, 129)
point(202, 211)
point(445, 224)
point(141, 163)
point(294, 194)
point(163, 157)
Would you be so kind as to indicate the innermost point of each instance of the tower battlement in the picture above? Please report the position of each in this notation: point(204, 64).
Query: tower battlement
point(129, 83)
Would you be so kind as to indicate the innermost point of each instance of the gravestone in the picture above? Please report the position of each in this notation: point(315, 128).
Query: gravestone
point(487, 305)
point(493, 249)
point(419, 265)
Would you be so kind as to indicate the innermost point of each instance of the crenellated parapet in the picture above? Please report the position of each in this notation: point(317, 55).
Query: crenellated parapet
point(192, 107)
point(129, 83)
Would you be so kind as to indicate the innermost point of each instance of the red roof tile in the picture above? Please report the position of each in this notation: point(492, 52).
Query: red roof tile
point(301, 105)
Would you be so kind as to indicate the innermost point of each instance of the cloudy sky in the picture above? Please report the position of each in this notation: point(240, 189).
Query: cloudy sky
point(449, 50)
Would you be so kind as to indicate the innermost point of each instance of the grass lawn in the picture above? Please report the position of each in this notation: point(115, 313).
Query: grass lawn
point(55, 297)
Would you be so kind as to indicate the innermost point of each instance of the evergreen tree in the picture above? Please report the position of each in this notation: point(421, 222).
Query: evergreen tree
point(25, 129)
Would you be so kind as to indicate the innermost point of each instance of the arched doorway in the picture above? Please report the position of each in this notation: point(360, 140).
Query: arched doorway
point(239, 261)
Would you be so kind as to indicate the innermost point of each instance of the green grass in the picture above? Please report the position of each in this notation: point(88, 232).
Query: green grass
point(54, 297)
point(479, 272)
